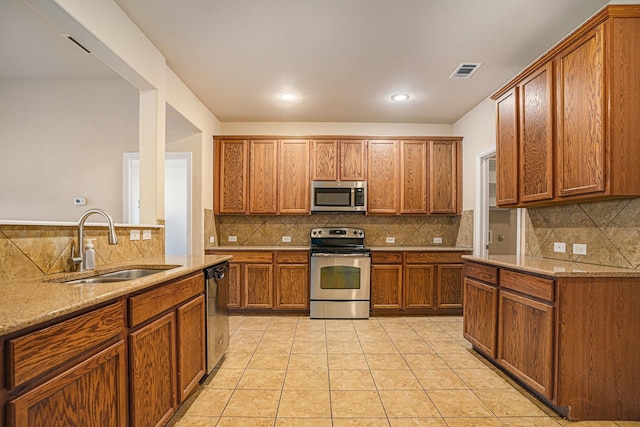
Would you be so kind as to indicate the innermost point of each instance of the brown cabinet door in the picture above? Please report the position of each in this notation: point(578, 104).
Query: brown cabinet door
point(525, 342)
point(292, 286)
point(386, 287)
point(536, 136)
point(419, 281)
point(480, 315)
point(324, 155)
point(232, 157)
point(449, 286)
point(294, 184)
point(258, 285)
point(507, 149)
point(152, 372)
point(235, 285)
point(93, 393)
point(263, 177)
point(413, 177)
point(353, 160)
point(191, 346)
point(445, 177)
point(581, 145)
point(383, 177)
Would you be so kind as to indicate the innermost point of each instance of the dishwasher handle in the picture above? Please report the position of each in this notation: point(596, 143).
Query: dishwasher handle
point(217, 271)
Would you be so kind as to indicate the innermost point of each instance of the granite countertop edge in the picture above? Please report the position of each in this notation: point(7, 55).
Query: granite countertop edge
point(32, 301)
point(553, 268)
point(373, 248)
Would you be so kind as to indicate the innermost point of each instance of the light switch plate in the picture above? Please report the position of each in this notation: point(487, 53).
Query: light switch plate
point(391, 240)
point(437, 240)
point(286, 239)
point(134, 234)
point(233, 238)
point(579, 249)
point(146, 234)
point(559, 247)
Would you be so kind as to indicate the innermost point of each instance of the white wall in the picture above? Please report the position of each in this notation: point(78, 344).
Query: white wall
point(477, 127)
point(336, 128)
point(61, 139)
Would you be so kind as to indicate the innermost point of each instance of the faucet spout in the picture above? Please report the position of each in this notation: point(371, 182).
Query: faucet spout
point(113, 237)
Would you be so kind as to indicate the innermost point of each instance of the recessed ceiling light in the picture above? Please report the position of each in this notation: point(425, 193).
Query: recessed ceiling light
point(287, 97)
point(400, 97)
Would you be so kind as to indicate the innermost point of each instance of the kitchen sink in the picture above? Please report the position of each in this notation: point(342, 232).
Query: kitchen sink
point(121, 275)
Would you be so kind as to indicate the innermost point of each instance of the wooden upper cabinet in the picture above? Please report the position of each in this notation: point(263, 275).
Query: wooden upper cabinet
point(263, 174)
point(324, 155)
point(338, 160)
point(413, 173)
point(353, 160)
point(383, 177)
point(536, 135)
point(507, 149)
point(293, 183)
point(573, 117)
point(232, 160)
point(445, 177)
point(581, 116)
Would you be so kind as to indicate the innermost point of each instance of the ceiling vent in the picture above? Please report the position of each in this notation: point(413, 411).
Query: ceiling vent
point(465, 70)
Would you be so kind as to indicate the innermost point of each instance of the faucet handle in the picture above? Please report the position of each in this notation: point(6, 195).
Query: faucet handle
point(74, 260)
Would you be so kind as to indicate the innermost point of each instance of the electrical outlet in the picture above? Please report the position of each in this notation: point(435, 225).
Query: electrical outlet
point(437, 240)
point(391, 240)
point(79, 201)
point(286, 239)
point(579, 249)
point(134, 234)
point(146, 234)
point(233, 238)
point(212, 239)
point(559, 247)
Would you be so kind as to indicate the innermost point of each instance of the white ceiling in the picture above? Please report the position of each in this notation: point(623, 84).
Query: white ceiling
point(343, 58)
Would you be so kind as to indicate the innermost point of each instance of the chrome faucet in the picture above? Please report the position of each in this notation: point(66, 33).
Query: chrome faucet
point(113, 238)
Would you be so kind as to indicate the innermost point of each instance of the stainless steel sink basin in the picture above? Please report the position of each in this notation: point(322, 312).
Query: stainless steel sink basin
point(120, 275)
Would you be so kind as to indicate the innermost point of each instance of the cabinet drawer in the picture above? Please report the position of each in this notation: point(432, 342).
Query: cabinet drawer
point(386, 257)
point(482, 272)
point(44, 350)
point(248, 257)
point(292, 257)
point(434, 257)
point(151, 303)
point(538, 287)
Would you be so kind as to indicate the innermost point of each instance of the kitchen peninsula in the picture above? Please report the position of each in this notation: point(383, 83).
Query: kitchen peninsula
point(567, 331)
point(118, 353)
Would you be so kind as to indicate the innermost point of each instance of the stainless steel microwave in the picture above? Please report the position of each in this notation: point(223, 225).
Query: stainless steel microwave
point(338, 196)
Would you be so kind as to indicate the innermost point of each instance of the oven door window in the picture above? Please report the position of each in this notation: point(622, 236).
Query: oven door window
point(340, 277)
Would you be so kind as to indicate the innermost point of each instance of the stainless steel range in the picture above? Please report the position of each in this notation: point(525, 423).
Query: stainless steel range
point(340, 274)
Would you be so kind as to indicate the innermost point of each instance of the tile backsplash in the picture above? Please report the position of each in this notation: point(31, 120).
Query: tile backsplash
point(265, 230)
point(610, 229)
point(36, 250)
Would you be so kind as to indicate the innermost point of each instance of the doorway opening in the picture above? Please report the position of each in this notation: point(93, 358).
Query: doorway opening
point(498, 231)
point(177, 198)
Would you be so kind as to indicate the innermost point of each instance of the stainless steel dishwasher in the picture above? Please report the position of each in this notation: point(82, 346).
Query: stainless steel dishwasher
point(217, 328)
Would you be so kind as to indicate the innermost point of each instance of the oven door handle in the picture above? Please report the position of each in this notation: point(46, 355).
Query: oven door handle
point(342, 255)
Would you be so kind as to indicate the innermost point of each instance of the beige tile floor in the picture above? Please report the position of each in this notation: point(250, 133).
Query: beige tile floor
point(393, 371)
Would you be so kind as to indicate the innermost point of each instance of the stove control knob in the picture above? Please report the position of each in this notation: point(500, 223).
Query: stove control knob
point(360, 233)
point(313, 233)
point(320, 232)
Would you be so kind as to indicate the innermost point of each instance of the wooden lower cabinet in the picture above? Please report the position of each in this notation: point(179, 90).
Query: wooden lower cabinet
point(480, 315)
point(525, 340)
point(235, 285)
point(417, 282)
point(292, 280)
point(153, 372)
point(258, 285)
point(191, 342)
point(92, 393)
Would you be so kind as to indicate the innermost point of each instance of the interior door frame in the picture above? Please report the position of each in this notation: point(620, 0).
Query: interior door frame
point(481, 217)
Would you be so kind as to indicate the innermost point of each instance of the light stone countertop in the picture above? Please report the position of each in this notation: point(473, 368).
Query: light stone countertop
point(28, 302)
point(552, 267)
point(373, 248)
